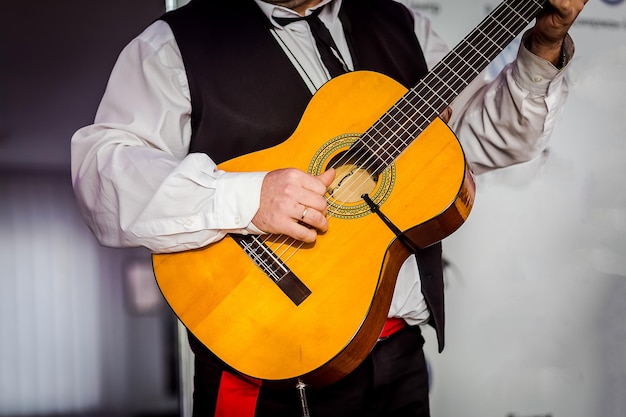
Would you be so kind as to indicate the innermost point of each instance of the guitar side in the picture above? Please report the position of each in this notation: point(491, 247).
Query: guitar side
point(240, 314)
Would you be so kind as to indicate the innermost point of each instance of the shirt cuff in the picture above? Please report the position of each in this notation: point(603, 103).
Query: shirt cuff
point(536, 74)
point(237, 199)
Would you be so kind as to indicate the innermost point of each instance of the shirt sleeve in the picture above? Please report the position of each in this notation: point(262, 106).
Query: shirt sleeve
point(132, 163)
point(509, 119)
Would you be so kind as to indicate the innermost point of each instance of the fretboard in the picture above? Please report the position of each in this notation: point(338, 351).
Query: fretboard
point(399, 126)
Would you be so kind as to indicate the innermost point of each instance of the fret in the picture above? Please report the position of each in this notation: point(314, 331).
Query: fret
point(506, 29)
point(486, 35)
point(522, 17)
point(457, 75)
point(399, 126)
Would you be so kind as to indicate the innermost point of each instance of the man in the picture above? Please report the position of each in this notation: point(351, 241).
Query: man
point(213, 81)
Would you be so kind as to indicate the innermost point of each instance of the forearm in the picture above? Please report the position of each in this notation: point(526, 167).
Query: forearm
point(139, 196)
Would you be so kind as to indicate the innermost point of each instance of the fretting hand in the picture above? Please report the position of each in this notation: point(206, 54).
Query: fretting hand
point(546, 39)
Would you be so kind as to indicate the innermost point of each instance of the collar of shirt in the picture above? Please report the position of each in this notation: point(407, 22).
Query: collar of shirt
point(329, 14)
point(296, 40)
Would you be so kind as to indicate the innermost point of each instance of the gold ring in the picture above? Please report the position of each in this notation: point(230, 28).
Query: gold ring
point(304, 213)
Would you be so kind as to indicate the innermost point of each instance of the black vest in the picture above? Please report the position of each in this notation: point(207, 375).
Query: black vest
point(247, 96)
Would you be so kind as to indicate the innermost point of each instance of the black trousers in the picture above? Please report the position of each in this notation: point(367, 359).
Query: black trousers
point(391, 382)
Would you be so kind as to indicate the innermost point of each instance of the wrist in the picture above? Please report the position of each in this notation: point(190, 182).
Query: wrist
point(551, 51)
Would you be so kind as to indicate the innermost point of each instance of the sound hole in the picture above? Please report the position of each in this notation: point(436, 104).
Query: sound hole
point(351, 180)
point(358, 172)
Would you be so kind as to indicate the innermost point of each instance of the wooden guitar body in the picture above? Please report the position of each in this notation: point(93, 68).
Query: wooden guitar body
point(247, 320)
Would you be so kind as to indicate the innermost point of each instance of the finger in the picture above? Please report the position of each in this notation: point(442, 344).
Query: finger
point(284, 199)
point(302, 232)
point(319, 183)
point(313, 202)
point(313, 193)
point(306, 209)
point(446, 114)
point(327, 177)
point(315, 219)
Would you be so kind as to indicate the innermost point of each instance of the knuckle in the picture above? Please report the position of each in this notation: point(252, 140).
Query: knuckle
point(319, 218)
point(293, 173)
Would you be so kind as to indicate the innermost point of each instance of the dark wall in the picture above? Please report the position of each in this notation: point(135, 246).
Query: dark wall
point(55, 59)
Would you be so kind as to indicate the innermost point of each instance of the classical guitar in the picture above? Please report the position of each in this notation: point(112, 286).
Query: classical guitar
point(276, 309)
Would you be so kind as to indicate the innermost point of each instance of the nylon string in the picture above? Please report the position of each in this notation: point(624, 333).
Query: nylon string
point(399, 126)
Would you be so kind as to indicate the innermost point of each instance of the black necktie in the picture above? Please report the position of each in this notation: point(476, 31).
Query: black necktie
point(325, 45)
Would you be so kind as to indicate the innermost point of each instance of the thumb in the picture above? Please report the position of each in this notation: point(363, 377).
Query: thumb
point(327, 177)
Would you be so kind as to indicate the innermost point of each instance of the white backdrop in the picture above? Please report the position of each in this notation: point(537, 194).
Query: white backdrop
point(536, 296)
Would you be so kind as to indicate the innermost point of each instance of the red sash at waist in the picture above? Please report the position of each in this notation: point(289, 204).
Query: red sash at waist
point(392, 325)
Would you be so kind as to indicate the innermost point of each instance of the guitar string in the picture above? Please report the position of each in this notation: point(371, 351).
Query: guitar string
point(376, 129)
point(428, 102)
point(259, 259)
point(490, 40)
point(495, 20)
point(382, 149)
point(436, 75)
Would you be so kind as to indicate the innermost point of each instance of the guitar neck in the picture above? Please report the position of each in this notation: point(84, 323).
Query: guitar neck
point(390, 135)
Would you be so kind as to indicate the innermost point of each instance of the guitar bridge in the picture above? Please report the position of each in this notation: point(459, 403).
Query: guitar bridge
point(273, 267)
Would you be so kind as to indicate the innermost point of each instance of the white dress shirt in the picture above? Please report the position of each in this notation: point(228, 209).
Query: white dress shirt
point(137, 185)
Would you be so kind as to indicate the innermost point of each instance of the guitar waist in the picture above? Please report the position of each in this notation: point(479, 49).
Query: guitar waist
point(392, 326)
